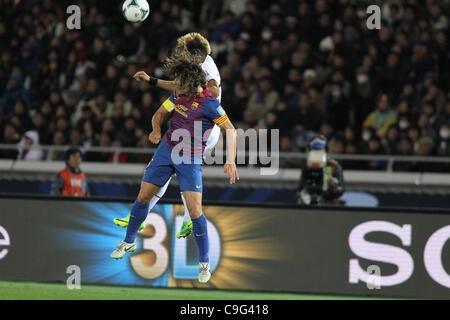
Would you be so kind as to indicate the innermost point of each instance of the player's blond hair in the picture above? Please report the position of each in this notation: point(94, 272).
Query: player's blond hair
point(190, 46)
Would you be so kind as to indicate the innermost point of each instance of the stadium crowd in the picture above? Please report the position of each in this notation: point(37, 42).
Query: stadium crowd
point(304, 67)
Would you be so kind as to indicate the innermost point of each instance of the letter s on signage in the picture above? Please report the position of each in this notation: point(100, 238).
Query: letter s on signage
point(4, 241)
point(432, 256)
point(380, 252)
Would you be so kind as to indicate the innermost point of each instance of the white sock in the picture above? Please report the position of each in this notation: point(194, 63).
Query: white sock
point(158, 195)
point(186, 217)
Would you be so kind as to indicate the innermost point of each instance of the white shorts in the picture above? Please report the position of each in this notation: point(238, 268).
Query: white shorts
point(213, 138)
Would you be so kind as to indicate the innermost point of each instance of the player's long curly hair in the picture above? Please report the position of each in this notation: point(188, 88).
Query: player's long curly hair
point(191, 46)
point(190, 75)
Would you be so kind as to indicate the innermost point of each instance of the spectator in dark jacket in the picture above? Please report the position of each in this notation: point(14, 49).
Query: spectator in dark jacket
point(14, 92)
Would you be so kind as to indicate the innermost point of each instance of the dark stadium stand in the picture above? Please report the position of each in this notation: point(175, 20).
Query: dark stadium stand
point(368, 91)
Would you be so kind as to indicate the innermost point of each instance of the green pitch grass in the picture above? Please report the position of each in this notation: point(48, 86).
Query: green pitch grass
point(58, 291)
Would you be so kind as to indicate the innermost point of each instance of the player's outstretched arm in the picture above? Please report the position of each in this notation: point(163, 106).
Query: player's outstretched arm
point(229, 168)
point(163, 84)
point(213, 86)
point(157, 120)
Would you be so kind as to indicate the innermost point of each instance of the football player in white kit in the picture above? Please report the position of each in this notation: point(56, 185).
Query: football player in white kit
point(190, 47)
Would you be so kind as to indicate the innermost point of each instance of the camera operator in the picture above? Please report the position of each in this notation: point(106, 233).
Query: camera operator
point(322, 181)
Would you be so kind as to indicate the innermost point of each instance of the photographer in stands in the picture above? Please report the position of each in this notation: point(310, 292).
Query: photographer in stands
point(71, 181)
point(322, 181)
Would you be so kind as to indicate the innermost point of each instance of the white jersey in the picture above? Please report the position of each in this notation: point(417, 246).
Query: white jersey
point(212, 72)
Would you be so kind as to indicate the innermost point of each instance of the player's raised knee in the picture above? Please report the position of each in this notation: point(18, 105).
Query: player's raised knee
point(146, 192)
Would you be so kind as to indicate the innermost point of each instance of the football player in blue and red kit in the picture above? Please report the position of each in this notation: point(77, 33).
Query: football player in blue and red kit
point(194, 112)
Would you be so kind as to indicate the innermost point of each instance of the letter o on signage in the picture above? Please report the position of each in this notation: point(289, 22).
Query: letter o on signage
point(432, 256)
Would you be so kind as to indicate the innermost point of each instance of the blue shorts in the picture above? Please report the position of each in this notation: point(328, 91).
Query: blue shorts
point(161, 168)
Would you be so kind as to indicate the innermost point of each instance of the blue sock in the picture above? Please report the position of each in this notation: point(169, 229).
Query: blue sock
point(138, 214)
point(201, 237)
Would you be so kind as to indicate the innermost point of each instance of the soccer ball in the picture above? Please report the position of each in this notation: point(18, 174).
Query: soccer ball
point(135, 10)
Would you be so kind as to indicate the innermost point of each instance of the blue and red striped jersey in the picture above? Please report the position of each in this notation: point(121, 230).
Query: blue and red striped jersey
point(192, 121)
